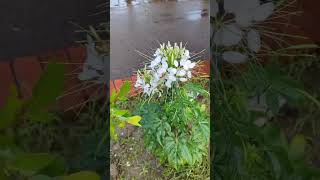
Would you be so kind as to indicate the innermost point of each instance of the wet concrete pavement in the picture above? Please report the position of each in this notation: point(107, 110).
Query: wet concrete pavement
point(142, 25)
point(30, 27)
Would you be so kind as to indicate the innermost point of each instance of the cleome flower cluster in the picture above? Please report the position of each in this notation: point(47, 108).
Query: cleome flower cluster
point(171, 65)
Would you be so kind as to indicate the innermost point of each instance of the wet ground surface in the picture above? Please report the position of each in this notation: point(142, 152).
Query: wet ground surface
point(141, 26)
point(29, 27)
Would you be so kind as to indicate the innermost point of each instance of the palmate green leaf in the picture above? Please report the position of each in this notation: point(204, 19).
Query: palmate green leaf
point(9, 112)
point(82, 175)
point(48, 88)
point(185, 153)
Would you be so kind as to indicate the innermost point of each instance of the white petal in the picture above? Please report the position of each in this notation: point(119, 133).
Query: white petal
point(228, 35)
point(172, 70)
point(263, 11)
point(189, 74)
point(181, 72)
point(183, 62)
point(234, 57)
point(254, 40)
point(168, 83)
point(192, 65)
point(183, 79)
point(176, 63)
point(187, 53)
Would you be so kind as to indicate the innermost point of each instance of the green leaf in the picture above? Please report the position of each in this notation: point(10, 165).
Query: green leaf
point(83, 175)
point(124, 90)
point(134, 120)
point(186, 153)
point(48, 88)
point(119, 112)
point(31, 163)
point(9, 112)
point(297, 148)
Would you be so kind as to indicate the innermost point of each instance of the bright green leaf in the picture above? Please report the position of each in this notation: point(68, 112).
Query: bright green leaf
point(134, 120)
point(124, 90)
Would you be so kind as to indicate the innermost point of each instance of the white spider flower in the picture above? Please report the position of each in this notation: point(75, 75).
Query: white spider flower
point(171, 65)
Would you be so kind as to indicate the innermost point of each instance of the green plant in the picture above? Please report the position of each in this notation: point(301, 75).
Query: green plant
point(247, 142)
point(18, 158)
point(120, 117)
point(176, 126)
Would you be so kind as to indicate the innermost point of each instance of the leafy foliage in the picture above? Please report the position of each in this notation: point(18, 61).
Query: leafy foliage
point(177, 129)
point(18, 161)
point(120, 117)
point(246, 149)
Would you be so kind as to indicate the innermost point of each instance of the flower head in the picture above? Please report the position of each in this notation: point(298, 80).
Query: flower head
point(171, 65)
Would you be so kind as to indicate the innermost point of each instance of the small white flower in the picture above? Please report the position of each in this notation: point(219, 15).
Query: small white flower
point(183, 79)
point(181, 73)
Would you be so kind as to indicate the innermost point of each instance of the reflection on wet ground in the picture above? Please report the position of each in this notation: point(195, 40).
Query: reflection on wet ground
point(140, 25)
